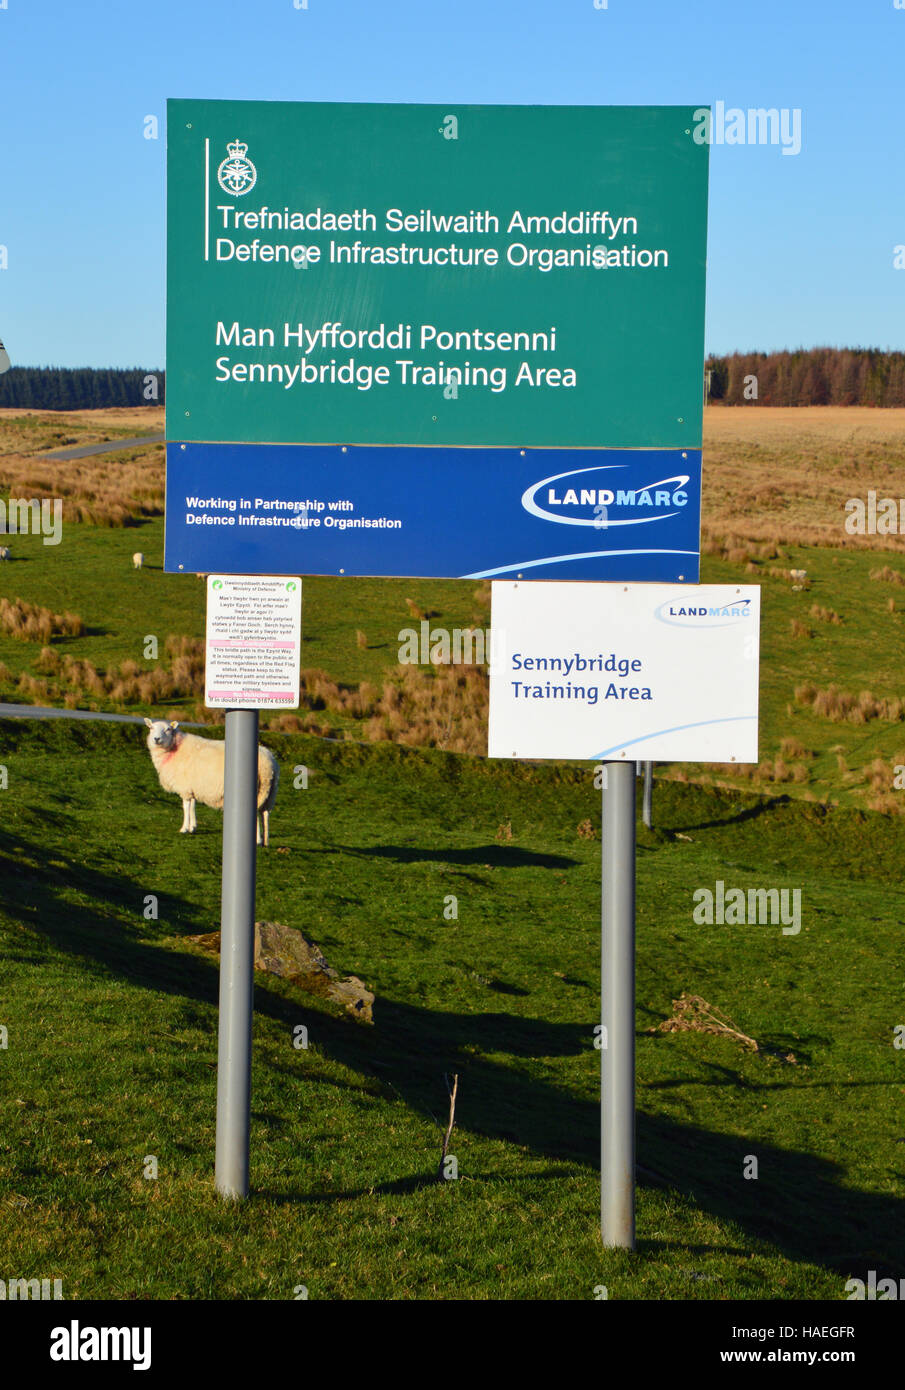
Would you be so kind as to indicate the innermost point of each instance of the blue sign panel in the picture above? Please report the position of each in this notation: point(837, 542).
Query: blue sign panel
point(610, 514)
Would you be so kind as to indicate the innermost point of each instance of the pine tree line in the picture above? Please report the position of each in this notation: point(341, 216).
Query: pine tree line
point(81, 388)
point(810, 376)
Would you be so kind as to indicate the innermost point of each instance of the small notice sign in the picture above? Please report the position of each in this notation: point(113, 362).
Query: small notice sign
point(608, 671)
point(254, 637)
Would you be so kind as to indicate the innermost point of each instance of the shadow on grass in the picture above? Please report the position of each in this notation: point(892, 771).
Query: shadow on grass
point(401, 1187)
point(736, 817)
point(798, 1203)
point(493, 856)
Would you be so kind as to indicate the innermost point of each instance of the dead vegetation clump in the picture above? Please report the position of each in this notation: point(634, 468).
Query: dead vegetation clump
point(300, 724)
point(318, 692)
point(445, 707)
point(842, 707)
point(694, 1015)
point(738, 550)
point(72, 680)
point(887, 575)
point(800, 629)
point(878, 775)
point(824, 615)
point(28, 622)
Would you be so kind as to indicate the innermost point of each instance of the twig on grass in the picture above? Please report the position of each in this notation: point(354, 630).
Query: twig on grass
point(452, 1119)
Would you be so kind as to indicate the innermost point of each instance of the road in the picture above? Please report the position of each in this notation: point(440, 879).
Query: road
point(84, 451)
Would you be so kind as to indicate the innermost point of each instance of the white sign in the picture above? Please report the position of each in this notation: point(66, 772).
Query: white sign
point(254, 639)
point(592, 671)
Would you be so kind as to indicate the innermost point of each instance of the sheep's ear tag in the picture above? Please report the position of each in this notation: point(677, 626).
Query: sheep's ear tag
point(174, 723)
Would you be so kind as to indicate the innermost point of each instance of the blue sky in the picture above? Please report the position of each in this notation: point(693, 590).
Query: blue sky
point(800, 249)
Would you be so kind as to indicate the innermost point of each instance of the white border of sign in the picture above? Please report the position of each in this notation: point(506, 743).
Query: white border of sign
point(637, 671)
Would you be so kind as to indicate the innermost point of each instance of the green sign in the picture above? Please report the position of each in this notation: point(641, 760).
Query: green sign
point(435, 275)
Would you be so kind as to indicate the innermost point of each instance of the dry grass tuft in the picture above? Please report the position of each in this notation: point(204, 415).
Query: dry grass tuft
point(826, 615)
point(445, 707)
point(74, 681)
point(29, 623)
point(842, 707)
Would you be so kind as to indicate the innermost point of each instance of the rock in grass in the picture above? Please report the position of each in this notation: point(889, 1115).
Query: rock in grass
point(286, 952)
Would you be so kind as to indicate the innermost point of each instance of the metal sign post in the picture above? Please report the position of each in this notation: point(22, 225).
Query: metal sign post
point(237, 932)
point(253, 641)
point(617, 987)
point(647, 812)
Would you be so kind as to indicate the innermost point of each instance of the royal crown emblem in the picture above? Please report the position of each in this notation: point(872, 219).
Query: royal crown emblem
point(237, 175)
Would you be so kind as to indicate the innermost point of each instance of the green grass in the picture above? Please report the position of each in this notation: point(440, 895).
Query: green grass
point(112, 1037)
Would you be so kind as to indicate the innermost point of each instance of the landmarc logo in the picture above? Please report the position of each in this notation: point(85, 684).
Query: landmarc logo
point(236, 174)
point(576, 499)
point(678, 613)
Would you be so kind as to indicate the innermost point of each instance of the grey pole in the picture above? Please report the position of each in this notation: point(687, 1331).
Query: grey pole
point(617, 985)
point(648, 793)
point(237, 932)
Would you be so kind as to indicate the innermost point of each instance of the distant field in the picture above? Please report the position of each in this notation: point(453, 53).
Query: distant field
point(784, 475)
point(34, 430)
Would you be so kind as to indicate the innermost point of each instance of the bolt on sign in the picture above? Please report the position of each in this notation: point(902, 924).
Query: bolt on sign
point(423, 340)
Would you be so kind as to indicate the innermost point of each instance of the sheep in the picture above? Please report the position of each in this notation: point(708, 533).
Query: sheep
point(4, 552)
point(798, 577)
point(137, 560)
point(193, 768)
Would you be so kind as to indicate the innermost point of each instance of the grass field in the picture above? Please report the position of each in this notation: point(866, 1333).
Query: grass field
point(111, 1017)
point(112, 1039)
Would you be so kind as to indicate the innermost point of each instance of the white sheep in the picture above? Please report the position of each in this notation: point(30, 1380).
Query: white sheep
point(4, 552)
point(193, 768)
point(137, 560)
